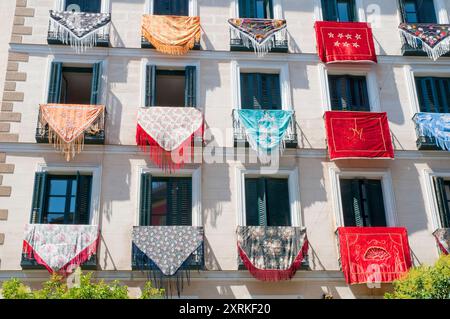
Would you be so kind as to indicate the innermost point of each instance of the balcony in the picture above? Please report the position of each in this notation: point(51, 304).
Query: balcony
point(31, 264)
point(408, 50)
point(145, 44)
point(290, 138)
point(279, 44)
point(102, 37)
point(424, 143)
point(95, 135)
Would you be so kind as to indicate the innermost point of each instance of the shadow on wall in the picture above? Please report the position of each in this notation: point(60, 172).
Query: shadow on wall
point(211, 262)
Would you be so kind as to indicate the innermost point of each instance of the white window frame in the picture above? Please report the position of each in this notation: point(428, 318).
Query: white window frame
point(95, 170)
point(294, 192)
point(439, 7)
point(193, 7)
point(386, 185)
point(368, 71)
point(105, 6)
point(78, 60)
point(430, 196)
point(162, 63)
point(276, 4)
point(194, 173)
point(420, 70)
point(267, 67)
point(359, 7)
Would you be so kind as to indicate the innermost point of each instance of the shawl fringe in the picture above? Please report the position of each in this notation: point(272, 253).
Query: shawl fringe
point(440, 142)
point(440, 49)
point(249, 41)
point(274, 274)
point(171, 49)
point(68, 149)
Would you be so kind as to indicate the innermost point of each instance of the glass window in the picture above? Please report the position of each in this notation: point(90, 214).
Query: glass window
point(171, 7)
point(260, 91)
point(261, 9)
point(433, 94)
point(348, 93)
point(83, 5)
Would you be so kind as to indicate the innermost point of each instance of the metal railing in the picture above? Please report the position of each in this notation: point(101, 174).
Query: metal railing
point(424, 143)
point(145, 44)
point(279, 43)
point(53, 36)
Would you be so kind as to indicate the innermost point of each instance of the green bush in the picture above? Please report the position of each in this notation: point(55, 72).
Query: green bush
point(424, 282)
point(56, 288)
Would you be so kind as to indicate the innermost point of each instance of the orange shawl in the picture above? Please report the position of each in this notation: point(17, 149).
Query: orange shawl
point(67, 124)
point(174, 35)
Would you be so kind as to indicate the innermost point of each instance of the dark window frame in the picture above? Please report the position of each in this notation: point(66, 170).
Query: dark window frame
point(86, 5)
point(431, 93)
point(427, 15)
point(174, 7)
point(249, 9)
point(356, 96)
point(331, 12)
point(261, 91)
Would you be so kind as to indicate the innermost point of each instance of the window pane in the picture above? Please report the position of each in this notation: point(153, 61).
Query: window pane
point(159, 203)
point(74, 188)
point(343, 10)
point(58, 187)
point(278, 207)
point(56, 204)
point(260, 12)
point(54, 219)
point(72, 204)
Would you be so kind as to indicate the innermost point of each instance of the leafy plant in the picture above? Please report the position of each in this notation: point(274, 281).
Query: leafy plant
point(424, 282)
point(15, 289)
point(149, 292)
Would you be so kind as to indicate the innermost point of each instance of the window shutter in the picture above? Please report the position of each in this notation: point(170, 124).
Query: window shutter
point(150, 85)
point(426, 11)
point(348, 93)
point(262, 202)
point(96, 82)
point(335, 93)
point(351, 202)
point(442, 201)
point(401, 8)
point(443, 87)
point(278, 206)
point(190, 86)
point(251, 202)
point(249, 91)
point(329, 10)
point(161, 7)
point(180, 8)
point(179, 192)
point(247, 9)
point(352, 11)
point(376, 210)
point(83, 201)
point(426, 94)
point(270, 92)
point(38, 202)
point(357, 206)
point(358, 94)
point(54, 87)
point(145, 199)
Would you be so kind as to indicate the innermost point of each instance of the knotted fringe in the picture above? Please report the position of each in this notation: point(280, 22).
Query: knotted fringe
point(274, 274)
point(68, 149)
point(79, 44)
point(434, 53)
point(78, 260)
point(249, 40)
point(158, 278)
point(440, 142)
point(171, 49)
point(168, 161)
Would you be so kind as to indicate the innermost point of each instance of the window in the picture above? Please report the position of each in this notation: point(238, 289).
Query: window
point(171, 7)
point(433, 94)
point(267, 202)
point(165, 201)
point(261, 9)
point(74, 84)
point(442, 188)
point(418, 11)
point(170, 87)
point(348, 93)
point(61, 199)
point(338, 10)
point(362, 202)
point(260, 91)
point(83, 5)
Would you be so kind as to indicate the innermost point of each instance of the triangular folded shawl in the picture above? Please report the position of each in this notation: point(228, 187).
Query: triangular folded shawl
point(435, 125)
point(60, 248)
point(272, 253)
point(442, 236)
point(79, 29)
point(258, 33)
point(67, 124)
point(169, 133)
point(174, 35)
point(434, 39)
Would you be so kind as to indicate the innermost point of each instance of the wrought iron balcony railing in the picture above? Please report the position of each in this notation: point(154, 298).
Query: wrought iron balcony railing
point(145, 44)
point(94, 135)
point(290, 138)
point(424, 143)
point(279, 44)
point(27, 263)
point(53, 37)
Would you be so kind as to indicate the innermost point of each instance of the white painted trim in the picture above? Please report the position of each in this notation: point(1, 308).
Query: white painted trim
point(193, 7)
point(368, 71)
point(318, 15)
point(95, 170)
point(267, 67)
point(441, 12)
point(294, 192)
point(430, 196)
point(167, 63)
point(386, 184)
point(195, 174)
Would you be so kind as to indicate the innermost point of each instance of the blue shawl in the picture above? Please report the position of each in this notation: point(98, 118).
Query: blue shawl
point(435, 125)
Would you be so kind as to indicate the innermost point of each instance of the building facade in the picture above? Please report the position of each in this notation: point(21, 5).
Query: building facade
point(215, 194)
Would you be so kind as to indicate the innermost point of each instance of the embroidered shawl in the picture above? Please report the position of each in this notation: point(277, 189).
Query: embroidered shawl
point(434, 39)
point(174, 35)
point(79, 29)
point(169, 132)
point(265, 129)
point(442, 236)
point(258, 33)
point(67, 124)
point(435, 125)
point(272, 253)
point(374, 254)
point(60, 248)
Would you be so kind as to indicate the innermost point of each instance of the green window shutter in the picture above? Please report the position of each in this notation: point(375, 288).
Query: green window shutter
point(329, 10)
point(83, 201)
point(54, 87)
point(255, 202)
point(145, 200)
point(150, 85)
point(249, 91)
point(96, 83)
point(171, 7)
point(351, 202)
point(426, 11)
point(38, 202)
point(190, 86)
point(278, 206)
point(442, 201)
point(427, 94)
point(179, 193)
point(247, 9)
point(443, 94)
point(348, 93)
point(270, 97)
point(358, 93)
point(352, 11)
point(401, 8)
point(375, 203)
